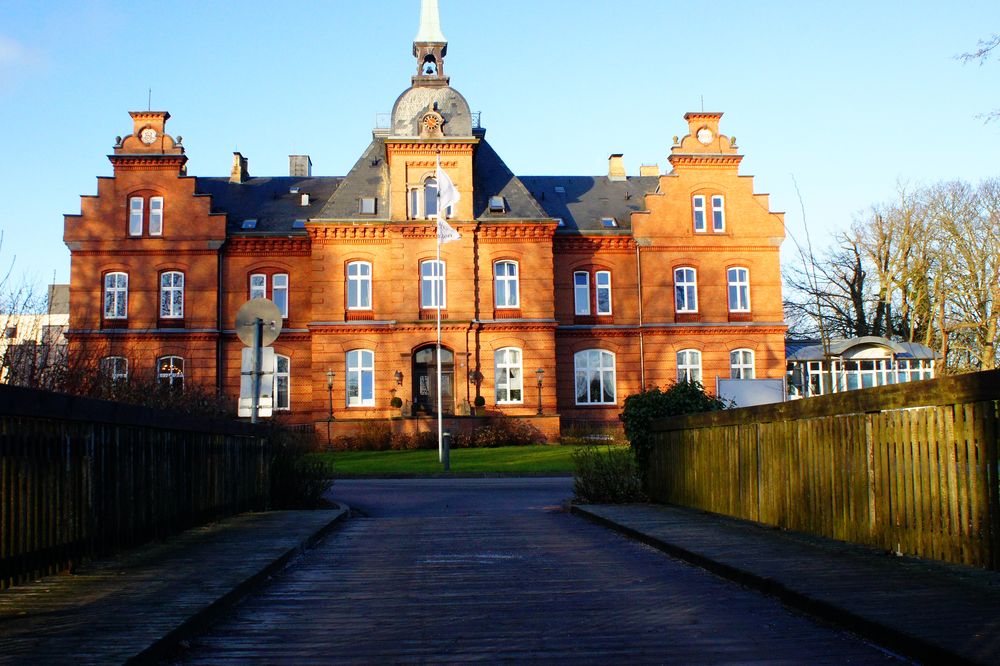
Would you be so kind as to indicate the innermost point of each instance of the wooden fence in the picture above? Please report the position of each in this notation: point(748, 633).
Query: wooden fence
point(80, 478)
point(910, 468)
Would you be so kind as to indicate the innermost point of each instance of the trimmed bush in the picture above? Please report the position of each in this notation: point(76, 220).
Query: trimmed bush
point(299, 477)
point(500, 431)
point(606, 475)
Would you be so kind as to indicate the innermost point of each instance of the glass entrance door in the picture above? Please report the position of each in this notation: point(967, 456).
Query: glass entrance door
point(425, 380)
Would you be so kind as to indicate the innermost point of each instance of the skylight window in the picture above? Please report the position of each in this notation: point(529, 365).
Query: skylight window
point(497, 205)
point(608, 222)
point(249, 224)
point(560, 189)
point(299, 224)
point(367, 206)
point(293, 190)
point(559, 222)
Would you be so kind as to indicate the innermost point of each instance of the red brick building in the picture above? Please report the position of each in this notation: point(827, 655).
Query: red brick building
point(606, 283)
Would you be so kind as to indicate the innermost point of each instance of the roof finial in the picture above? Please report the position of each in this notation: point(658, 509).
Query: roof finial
point(430, 24)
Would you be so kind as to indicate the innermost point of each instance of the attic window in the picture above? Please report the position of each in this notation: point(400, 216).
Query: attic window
point(560, 189)
point(497, 205)
point(299, 224)
point(559, 222)
point(293, 190)
point(368, 206)
point(608, 222)
point(249, 224)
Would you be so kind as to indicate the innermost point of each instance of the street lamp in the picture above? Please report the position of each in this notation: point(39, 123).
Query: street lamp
point(539, 373)
point(330, 374)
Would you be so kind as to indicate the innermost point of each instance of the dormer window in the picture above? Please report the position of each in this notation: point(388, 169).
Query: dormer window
point(423, 200)
point(498, 205)
point(299, 224)
point(608, 222)
point(367, 206)
point(250, 224)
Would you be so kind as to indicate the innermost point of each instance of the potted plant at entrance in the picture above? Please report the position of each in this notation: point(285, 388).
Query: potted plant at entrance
point(480, 403)
point(397, 403)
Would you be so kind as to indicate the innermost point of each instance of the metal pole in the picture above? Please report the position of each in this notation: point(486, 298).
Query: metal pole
point(258, 335)
point(437, 302)
point(446, 451)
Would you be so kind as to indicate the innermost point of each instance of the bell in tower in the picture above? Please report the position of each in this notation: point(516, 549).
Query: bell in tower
point(430, 47)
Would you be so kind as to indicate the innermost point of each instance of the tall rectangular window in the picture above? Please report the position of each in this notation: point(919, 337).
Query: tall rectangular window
point(135, 207)
point(689, 365)
point(258, 286)
point(155, 216)
point(685, 290)
point(739, 289)
point(509, 376)
point(698, 204)
point(359, 285)
point(581, 292)
point(741, 364)
point(360, 378)
point(602, 285)
point(432, 284)
point(115, 368)
point(172, 295)
point(505, 284)
point(718, 213)
point(279, 292)
point(116, 295)
point(282, 378)
point(594, 371)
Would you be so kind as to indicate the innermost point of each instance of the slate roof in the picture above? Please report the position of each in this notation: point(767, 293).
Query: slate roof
point(812, 350)
point(268, 200)
point(493, 178)
point(368, 178)
point(586, 199)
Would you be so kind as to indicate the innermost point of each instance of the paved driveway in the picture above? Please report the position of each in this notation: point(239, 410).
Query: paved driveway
point(493, 569)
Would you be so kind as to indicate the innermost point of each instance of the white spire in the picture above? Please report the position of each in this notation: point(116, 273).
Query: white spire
point(430, 24)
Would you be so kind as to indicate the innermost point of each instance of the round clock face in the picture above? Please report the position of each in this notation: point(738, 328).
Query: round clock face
point(431, 121)
point(148, 135)
point(705, 135)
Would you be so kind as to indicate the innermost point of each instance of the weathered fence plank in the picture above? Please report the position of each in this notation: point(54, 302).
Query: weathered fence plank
point(910, 468)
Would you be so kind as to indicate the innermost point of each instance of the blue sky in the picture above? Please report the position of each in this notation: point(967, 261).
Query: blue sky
point(846, 98)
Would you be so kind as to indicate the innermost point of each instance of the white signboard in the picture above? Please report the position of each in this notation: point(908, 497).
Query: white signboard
point(267, 366)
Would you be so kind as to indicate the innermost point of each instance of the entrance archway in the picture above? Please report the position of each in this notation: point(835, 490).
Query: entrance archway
point(424, 373)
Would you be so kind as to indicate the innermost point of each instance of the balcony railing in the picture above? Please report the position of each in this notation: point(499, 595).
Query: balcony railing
point(384, 120)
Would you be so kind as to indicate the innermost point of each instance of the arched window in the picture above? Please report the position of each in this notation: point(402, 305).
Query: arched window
point(423, 200)
point(430, 197)
point(170, 372)
point(685, 290)
point(689, 365)
point(595, 377)
point(739, 289)
point(115, 295)
point(172, 295)
point(361, 378)
point(430, 66)
point(282, 382)
point(432, 284)
point(505, 284)
point(741, 364)
point(359, 285)
point(115, 368)
point(509, 375)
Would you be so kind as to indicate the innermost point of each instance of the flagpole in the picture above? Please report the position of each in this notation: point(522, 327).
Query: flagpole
point(437, 301)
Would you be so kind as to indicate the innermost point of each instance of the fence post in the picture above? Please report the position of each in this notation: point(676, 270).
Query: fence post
point(870, 457)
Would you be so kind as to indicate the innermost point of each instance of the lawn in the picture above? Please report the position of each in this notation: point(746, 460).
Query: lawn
point(509, 459)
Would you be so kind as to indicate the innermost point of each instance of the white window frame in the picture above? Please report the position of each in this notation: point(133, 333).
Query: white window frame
point(118, 291)
point(718, 213)
point(602, 284)
point(581, 293)
point(360, 364)
point(282, 382)
point(698, 212)
point(172, 373)
point(172, 295)
point(115, 368)
point(506, 287)
point(738, 283)
point(685, 289)
point(359, 285)
point(741, 364)
point(595, 368)
point(156, 216)
point(279, 285)
point(509, 376)
point(417, 200)
point(258, 285)
point(689, 365)
point(135, 215)
point(433, 283)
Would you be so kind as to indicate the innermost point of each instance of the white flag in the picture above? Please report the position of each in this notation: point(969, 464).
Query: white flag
point(447, 196)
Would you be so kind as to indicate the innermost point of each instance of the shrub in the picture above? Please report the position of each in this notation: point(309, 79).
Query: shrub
point(500, 431)
point(607, 476)
point(643, 408)
point(592, 433)
point(299, 477)
point(374, 436)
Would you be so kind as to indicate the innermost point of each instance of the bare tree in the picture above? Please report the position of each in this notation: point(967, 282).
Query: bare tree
point(981, 54)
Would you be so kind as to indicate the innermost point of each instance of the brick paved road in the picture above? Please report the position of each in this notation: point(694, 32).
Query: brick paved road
point(492, 569)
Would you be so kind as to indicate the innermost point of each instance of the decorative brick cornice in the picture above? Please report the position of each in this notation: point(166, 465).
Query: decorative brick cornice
point(522, 233)
point(367, 234)
point(515, 326)
point(705, 160)
point(144, 335)
point(126, 252)
point(252, 247)
point(691, 247)
point(669, 330)
point(592, 244)
point(429, 229)
point(147, 163)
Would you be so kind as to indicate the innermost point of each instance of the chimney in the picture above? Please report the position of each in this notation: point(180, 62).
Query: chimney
point(300, 165)
point(649, 170)
point(616, 167)
point(240, 173)
point(305, 199)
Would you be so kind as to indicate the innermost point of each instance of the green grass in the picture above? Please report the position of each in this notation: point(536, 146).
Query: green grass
point(509, 459)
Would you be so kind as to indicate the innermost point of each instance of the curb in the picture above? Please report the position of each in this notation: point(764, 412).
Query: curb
point(905, 644)
point(200, 621)
point(455, 475)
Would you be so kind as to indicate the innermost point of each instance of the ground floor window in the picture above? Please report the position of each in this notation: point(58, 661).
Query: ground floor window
point(689, 365)
point(282, 375)
point(361, 378)
point(509, 376)
point(595, 377)
point(170, 372)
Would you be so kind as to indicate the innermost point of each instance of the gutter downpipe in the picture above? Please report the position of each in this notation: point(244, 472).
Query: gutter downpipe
point(642, 355)
point(218, 322)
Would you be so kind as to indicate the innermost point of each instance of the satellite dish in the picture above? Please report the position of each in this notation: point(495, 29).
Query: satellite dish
point(246, 321)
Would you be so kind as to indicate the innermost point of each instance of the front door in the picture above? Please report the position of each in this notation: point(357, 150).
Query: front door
point(424, 375)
